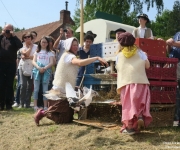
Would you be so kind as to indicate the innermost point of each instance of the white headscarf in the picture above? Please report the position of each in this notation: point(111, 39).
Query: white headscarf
point(68, 43)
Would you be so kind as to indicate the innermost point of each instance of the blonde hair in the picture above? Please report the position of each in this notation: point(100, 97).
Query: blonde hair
point(119, 49)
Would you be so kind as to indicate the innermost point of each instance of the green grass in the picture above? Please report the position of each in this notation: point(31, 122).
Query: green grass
point(19, 132)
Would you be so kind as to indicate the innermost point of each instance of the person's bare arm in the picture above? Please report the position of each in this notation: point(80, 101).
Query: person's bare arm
point(34, 62)
point(147, 64)
point(56, 43)
point(176, 44)
point(87, 61)
point(169, 43)
point(27, 52)
point(50, 64)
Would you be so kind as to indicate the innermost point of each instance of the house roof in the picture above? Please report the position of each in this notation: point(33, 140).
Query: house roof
point(43, 30)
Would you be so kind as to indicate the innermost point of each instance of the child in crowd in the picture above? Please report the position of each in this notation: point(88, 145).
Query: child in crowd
point(42, 61)
point(133, 85)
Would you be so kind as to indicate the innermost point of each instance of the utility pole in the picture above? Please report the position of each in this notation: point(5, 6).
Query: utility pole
point(82, 25)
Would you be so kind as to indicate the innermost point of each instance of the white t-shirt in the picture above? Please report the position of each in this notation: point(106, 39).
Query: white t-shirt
point(34, 48)
point(68, 58)
point(44, 57)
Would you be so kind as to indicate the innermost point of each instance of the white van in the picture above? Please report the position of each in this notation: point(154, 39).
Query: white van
point(103, 29)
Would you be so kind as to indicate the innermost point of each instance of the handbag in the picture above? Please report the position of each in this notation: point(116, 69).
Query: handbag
point(27, 67)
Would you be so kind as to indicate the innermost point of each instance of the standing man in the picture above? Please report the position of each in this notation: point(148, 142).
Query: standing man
point(118, 32)
point(173, 49)
point(59, 43)
point(9, 45)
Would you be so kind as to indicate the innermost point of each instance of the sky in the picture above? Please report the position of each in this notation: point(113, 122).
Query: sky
point(34, 13)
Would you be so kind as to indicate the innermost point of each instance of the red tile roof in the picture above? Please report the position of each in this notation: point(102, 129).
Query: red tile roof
point(42, 30)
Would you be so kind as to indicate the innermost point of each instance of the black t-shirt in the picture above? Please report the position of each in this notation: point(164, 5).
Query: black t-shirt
point(9, 48)
point(82, 55)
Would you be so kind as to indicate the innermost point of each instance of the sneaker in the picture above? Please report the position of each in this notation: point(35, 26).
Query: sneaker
point(129, 131)
point(38, 116)
point(45, 108)
point(140, 123)
point(15, 105)
point(36, 108)
point(21, 106)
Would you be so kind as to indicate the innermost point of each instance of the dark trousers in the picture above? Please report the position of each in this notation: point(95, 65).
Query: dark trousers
point(18, 87)
point(177, 112)
point(7, 75)
point(40, 102)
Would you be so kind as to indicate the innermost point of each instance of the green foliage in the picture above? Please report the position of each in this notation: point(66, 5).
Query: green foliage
point(131, 19)
point(167, 24)
point(161, 26)
point(18, 29)
point(115, 7)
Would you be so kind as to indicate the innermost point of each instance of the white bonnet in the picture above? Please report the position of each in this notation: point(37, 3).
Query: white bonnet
point(68, 43)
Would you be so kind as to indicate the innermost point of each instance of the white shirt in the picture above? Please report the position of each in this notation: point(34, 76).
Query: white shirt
point(142, 32)
point(44, 57)
point(34, 48)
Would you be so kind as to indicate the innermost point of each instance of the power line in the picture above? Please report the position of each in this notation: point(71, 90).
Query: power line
point(9, 13)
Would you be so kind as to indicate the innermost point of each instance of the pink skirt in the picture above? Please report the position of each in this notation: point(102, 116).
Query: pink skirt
point(135, 100)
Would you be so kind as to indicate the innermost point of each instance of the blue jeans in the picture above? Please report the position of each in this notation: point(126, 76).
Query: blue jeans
point(36, 88)
point(17, 97)
point(78, 81)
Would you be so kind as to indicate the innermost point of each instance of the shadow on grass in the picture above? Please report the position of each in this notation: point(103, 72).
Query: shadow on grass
point(156, 136)
point(102, 141)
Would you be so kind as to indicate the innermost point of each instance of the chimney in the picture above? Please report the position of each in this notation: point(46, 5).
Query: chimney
point(66, 5)
point(65, 16)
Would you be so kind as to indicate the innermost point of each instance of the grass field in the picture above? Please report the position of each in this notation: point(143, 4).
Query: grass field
point(19, 132)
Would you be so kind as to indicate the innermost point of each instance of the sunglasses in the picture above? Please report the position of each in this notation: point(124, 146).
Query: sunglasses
point(25, 37)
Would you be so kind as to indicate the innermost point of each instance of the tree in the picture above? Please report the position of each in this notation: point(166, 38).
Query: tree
point(18, 29)
point(167, 24)
point(89, 14)
point(117, 7)
point(174, 19)
point(160, 27)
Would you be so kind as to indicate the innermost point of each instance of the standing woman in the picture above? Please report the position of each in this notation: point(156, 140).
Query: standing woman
point(27, 52)
point(133, 85)
point(42, 61)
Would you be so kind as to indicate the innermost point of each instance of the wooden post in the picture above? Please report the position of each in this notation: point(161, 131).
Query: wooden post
point(82, 25)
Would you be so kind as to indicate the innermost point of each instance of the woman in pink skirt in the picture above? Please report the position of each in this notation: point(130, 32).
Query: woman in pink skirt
point(133, 85)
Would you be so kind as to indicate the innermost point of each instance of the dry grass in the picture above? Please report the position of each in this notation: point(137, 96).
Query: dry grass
point(19, 132)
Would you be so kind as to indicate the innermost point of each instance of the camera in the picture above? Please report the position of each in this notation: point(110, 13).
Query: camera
point(7, 31)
